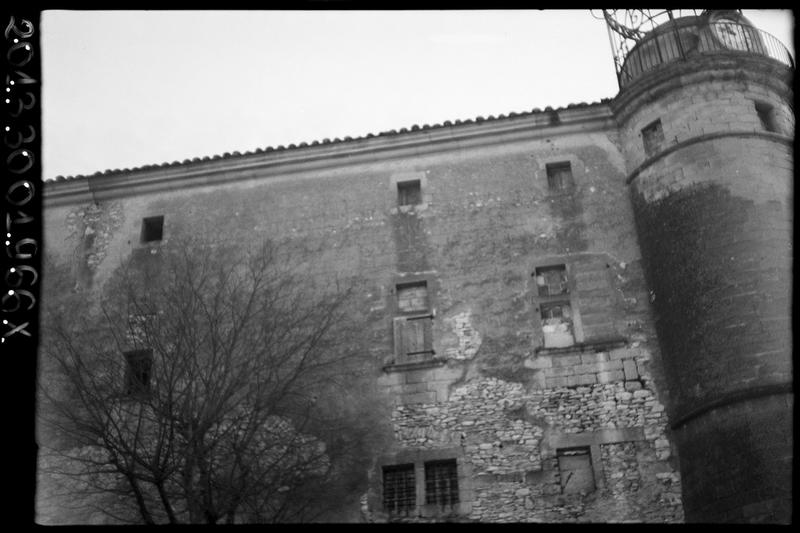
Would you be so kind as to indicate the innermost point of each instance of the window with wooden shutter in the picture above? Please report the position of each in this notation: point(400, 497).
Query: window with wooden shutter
point(413, 338)
point(413, 331)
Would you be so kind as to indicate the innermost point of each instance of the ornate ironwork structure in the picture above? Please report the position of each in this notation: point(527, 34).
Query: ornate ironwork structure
point(643, 39)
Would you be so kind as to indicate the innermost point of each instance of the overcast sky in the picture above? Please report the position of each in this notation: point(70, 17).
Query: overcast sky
point(129, 88)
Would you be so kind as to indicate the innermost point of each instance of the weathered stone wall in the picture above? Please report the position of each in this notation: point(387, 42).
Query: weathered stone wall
point(490, 391)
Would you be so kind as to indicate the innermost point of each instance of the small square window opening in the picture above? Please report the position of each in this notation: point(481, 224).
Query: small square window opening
point(399, 488)
point(152, 229)
point(766, 115)
point(441, 482)
point(409, 192)
point(559, 176)
point(652, 138)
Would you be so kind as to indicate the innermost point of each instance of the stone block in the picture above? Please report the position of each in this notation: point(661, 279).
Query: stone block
point(622, 353)
point(556, 382)
point(629, 367)
point(582, 379)
point(597, 357)
point(420, 397)
point(447, 373)
point(418, 376)
point(537, 363)
point(610, 376)
point(566, 360)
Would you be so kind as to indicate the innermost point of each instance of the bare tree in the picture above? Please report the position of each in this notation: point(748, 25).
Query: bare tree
point(211, 384)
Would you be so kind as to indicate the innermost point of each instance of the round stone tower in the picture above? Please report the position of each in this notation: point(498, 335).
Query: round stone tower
point(706, 125)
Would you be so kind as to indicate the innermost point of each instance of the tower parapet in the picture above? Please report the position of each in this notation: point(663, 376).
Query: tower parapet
point(706, 123)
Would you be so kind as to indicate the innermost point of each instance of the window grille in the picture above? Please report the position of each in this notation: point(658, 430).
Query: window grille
point(399, 488)
point(441, 482)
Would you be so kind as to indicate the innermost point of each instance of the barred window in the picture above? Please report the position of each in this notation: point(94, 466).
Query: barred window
point(399, 488)
point(441, 482)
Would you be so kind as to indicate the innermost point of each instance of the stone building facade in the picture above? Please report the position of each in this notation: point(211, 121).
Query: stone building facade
point(534, 285)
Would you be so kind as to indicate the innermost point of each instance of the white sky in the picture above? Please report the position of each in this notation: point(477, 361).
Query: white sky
point(129, 88)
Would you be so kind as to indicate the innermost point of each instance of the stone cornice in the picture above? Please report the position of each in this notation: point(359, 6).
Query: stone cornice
point(720, 66)
point(99, 187)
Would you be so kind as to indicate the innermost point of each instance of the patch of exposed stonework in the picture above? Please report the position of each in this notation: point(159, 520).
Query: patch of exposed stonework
point(506, 435)
point(93, 226)
point(469, 338)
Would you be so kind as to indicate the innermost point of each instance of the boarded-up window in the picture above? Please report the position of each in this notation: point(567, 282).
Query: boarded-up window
point(399, 488)
point(559, 176)
point(575, 469)
point(652, 138)
point(552, 280)
point(413, 337)
point(409, 192)
point(595, 299)
point(441, 482)
point(139, 365)
point(557, 324)
point(412, 297)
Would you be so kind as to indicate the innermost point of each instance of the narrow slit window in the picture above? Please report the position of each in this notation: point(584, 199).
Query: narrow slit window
point(766, 115)
point(399, 488)
point(441, 482)
point(559, 176)
point(152, 229)
point(409, 192)
point(575, 470)
point(652, 138)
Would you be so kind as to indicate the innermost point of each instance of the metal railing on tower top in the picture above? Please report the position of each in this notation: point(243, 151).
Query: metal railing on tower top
point(645, 43)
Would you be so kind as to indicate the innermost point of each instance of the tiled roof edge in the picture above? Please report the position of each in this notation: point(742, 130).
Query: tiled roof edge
point(326, 141)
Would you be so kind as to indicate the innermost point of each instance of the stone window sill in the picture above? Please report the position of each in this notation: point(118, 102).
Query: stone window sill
point(416, 365)
point(591, 346)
